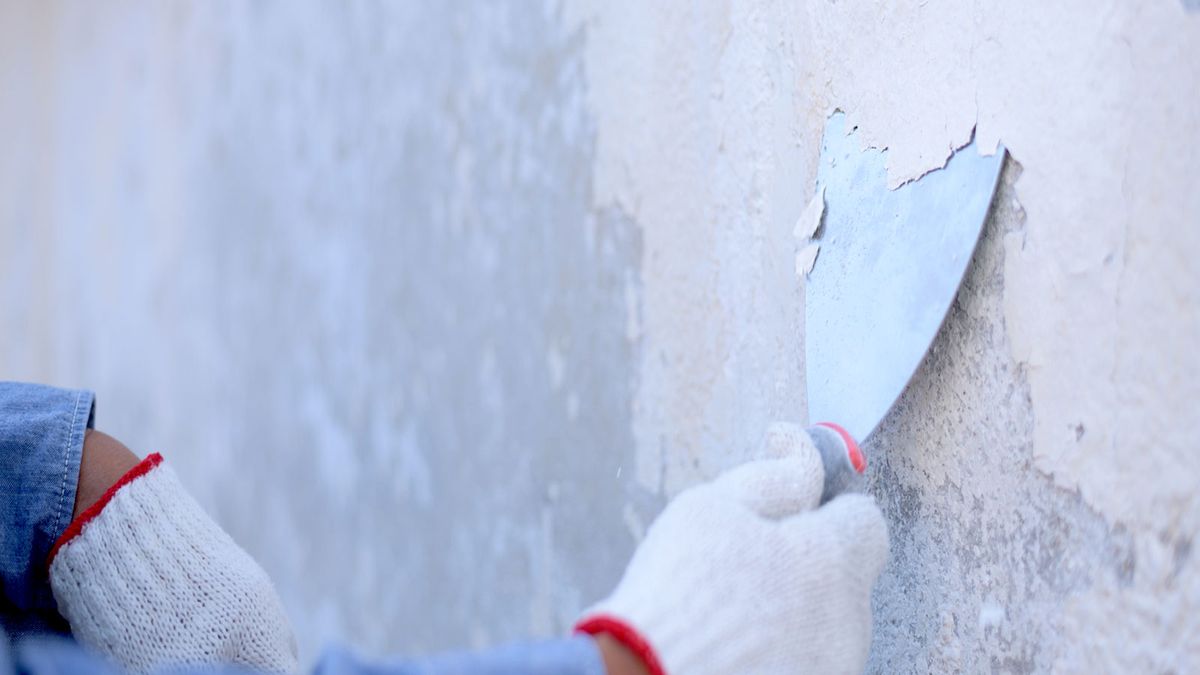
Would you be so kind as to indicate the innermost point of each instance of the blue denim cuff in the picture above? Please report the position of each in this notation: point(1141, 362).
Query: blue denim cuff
point(41, 442)
point(575, 655)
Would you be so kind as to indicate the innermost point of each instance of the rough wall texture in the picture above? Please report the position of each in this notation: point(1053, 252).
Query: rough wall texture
point(434, 306)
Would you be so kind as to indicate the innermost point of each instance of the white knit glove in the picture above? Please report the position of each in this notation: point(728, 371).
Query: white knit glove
point(747, 575)
point(148, 579)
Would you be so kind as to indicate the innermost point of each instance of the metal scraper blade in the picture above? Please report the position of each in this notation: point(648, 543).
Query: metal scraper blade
point(889, 266)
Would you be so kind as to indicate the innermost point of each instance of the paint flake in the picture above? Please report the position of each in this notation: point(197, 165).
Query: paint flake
point(806, 226)
point(806, 258)
point(810, 220)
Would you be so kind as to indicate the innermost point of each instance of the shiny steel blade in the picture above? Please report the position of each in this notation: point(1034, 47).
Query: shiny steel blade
point(889, 266)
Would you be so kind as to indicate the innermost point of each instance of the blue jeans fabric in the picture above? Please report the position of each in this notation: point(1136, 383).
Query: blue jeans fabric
point(569, 656)
point(41, 441)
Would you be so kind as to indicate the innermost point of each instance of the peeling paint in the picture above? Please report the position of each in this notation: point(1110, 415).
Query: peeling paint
point(1076, 377)
point(806, 226)
point(806, 258)
point(810, 221)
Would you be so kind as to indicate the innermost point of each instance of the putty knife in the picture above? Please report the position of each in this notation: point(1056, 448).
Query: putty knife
point(889, 265)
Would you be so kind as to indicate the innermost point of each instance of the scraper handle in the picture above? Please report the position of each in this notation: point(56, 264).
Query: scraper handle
point(844, 461)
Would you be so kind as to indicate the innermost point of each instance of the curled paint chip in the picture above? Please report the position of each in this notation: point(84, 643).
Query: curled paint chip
point(806, 258)
point(810, 220)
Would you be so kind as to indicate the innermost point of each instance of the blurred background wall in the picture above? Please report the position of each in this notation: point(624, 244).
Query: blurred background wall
point(434, 305)
point(339, 266)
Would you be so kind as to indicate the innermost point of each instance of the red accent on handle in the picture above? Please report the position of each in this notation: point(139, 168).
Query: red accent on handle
point(626, 635)
point(857, 459)
point(142, 468)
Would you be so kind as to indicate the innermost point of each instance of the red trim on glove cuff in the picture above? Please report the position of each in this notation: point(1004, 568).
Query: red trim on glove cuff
point(143, 467)
point(625, 634)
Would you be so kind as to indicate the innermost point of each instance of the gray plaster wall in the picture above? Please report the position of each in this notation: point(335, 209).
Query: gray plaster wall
point(340, 267)
point(434, 306)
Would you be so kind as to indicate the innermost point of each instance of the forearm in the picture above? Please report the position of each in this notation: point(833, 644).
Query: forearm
point(618, 659)
point(572, 656)
point(577, 655)
point(104, 460)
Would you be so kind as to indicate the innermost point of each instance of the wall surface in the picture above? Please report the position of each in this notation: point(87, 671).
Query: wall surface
point(434, 307)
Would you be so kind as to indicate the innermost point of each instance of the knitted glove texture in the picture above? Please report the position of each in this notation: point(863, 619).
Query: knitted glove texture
point(151, 581)
point(747, 575)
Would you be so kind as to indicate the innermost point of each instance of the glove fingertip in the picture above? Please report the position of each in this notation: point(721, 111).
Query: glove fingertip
point(775, 488)
point(863, 533)
point(785, 439)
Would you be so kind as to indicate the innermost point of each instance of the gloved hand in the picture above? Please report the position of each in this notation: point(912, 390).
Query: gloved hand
point(746, 575)
point(147, 578)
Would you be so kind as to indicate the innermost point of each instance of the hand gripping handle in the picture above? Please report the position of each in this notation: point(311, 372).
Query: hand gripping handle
point(844, 461)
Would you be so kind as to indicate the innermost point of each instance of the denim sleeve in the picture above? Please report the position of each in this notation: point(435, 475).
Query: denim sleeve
point(568, 656)
point(41, 441)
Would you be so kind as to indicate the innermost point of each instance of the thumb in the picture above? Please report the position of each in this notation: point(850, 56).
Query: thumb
point(784, 439)
point(860, 534)
point(775, 488)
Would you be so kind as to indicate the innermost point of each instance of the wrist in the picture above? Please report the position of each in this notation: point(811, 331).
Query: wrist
point(627, 647)
point(104, 461)
point(618, 659)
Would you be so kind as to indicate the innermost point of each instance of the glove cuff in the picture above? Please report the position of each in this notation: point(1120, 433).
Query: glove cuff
point(147, 578)
point(75, 528)
point(624, 633)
